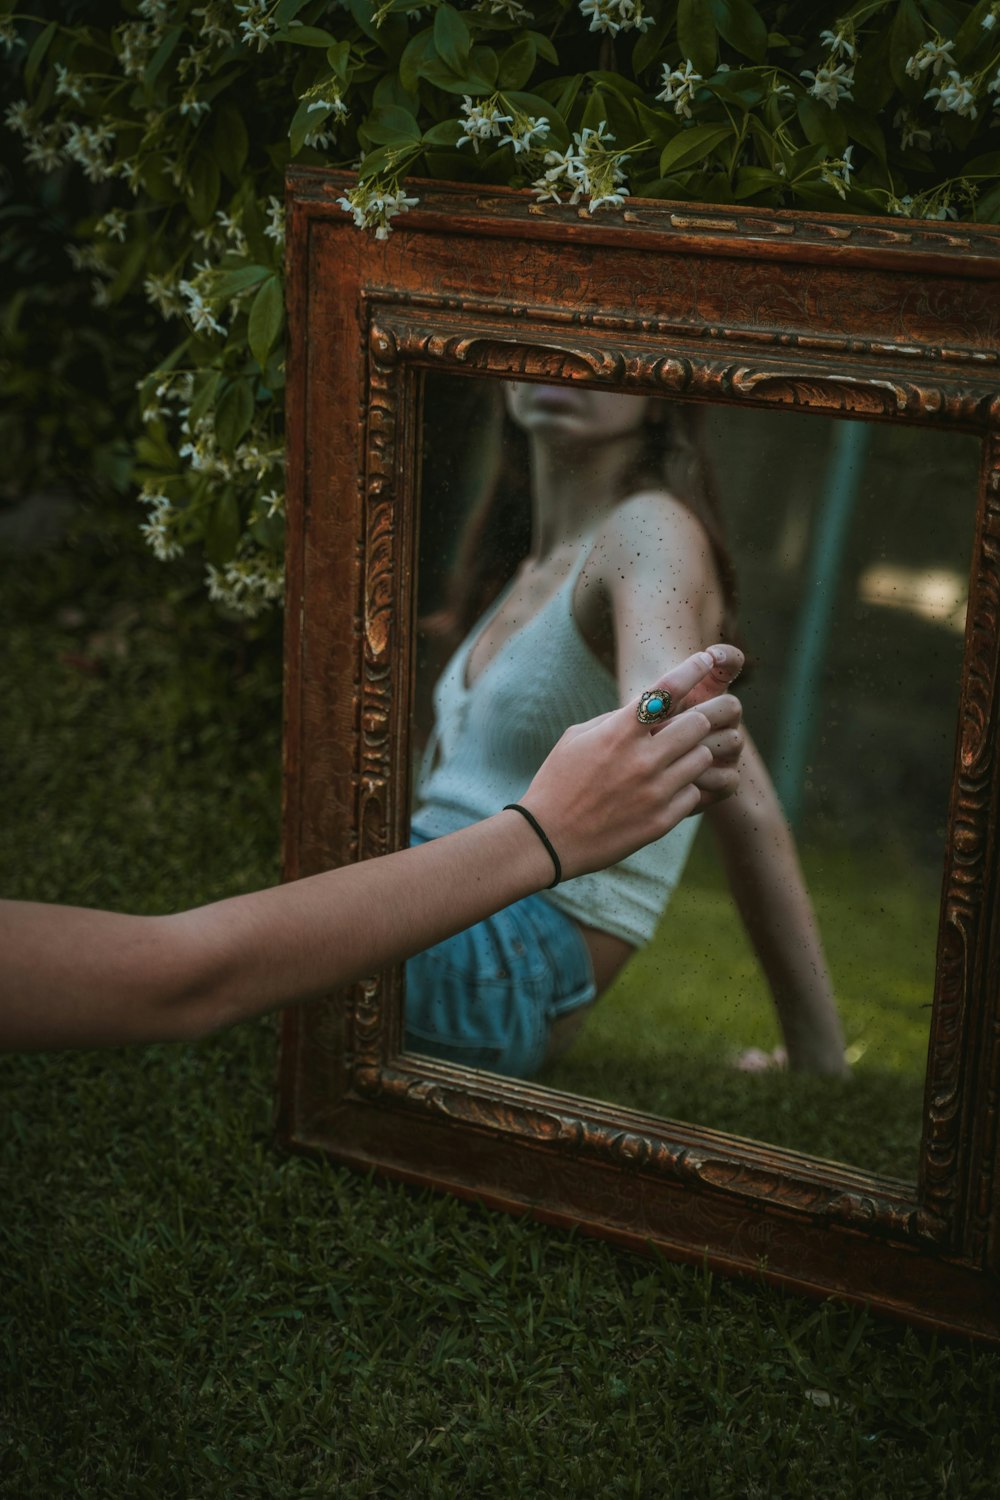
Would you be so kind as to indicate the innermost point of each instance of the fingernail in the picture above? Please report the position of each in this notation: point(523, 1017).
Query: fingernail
point(706, 658)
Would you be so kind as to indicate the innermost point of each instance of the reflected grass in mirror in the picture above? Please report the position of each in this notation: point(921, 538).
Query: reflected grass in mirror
point(654, 1045)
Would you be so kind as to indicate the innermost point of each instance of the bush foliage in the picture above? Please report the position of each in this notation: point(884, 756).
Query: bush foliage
point(183, 117)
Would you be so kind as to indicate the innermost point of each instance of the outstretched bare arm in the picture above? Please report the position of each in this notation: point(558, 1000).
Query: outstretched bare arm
point(71, 977)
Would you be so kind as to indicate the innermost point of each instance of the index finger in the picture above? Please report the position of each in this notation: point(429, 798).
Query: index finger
point(703, 675)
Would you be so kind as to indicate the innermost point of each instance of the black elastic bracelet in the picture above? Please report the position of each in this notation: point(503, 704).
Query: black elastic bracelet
point(516, 807)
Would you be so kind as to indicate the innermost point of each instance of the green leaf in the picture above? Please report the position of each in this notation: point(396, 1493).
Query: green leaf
point(452, 40)
point(222, 532)
point(389, 93)
point(418, 51)
point(479, 77)
point(651, 43)
point(393, 33)
point(231, 283)
point(39, 47)
point(384, 159)
point(594, 111)
point(822, 125)
point(753, 180)
point(339, 57)
point(517, 64)
point(690, 146)
point(863, 129)
point(287, 10)
point(658, 126)
point(156, 179)
point(202, 188)
point(133, 261)
point(266, 316)
point(544, 47)
point(303, 123)
point(161, 56)
point(233, 414)
point(971, 35)
point(205, 387)
point(987, 210)
point(391, 127)
point(230, 142)
point(739, 23)
point(696, 34)
point(305, 36)
point(444, 133)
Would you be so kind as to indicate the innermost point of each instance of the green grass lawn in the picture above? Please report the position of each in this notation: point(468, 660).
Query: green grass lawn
point(186, 1312)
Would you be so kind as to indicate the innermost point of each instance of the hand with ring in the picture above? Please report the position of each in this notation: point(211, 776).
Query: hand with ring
point(620, 781)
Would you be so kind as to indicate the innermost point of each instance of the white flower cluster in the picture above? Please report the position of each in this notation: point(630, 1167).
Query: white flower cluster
point(87, 145)
point(202, 449)
point(831, 82)
point(9, 38)
point(325, 97)
point(511, 10)
point(249, 584)
point(257, 24)
point(613, 16)
point(160, 525)
point(484, 122)
point(43, 148)
point(956, 94)
point(587, 168)
point(252, 458)
point(193, 108)
point(275, 220)
point(838, 173)
point(163, 293)
point(933, 57)
point(840, 43)
point(679, 86)
point(213, 28)
point(911, 132)
point(196, 306)
point(69, 86)
point(113, 225)
point(373, 206)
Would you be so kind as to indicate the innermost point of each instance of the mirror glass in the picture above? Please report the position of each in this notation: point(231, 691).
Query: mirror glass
point(838, 553)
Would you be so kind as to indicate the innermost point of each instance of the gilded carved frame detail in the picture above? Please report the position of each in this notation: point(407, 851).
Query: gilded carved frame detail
point(343, 1076)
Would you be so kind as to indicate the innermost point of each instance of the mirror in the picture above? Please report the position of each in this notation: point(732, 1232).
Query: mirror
point(843, 373)
point(851, 548)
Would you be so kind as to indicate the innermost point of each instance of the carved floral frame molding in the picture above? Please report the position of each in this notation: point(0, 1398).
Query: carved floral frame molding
point(866, 318)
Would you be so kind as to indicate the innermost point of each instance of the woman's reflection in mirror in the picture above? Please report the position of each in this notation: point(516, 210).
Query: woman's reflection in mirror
point(594, 554)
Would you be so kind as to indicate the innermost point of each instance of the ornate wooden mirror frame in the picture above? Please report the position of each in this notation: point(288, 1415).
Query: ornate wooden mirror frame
point(888, 319)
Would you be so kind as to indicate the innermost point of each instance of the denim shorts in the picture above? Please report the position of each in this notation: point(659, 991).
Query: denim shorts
point(487, 997)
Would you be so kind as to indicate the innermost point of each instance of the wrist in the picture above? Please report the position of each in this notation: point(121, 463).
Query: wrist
point(523, 851)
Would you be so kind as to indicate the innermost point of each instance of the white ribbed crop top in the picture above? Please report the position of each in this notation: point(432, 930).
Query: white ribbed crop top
point(490, 739)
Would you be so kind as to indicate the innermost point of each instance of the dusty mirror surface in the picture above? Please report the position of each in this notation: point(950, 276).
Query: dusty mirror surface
point(849, 544)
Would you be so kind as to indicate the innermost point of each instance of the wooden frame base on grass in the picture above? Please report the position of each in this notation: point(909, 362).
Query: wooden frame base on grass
point(884, 319)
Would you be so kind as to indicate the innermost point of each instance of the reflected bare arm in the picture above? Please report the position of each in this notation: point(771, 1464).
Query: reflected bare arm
point(769, 888)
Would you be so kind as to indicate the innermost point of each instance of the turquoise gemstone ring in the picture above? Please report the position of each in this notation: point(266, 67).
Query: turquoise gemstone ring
point(653, 706)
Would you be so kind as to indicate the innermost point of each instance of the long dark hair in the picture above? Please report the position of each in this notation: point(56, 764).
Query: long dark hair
point(496, 535)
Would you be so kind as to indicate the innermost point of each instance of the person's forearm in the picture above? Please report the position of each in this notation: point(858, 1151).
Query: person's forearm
point(767, 884)
point(100, 978)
